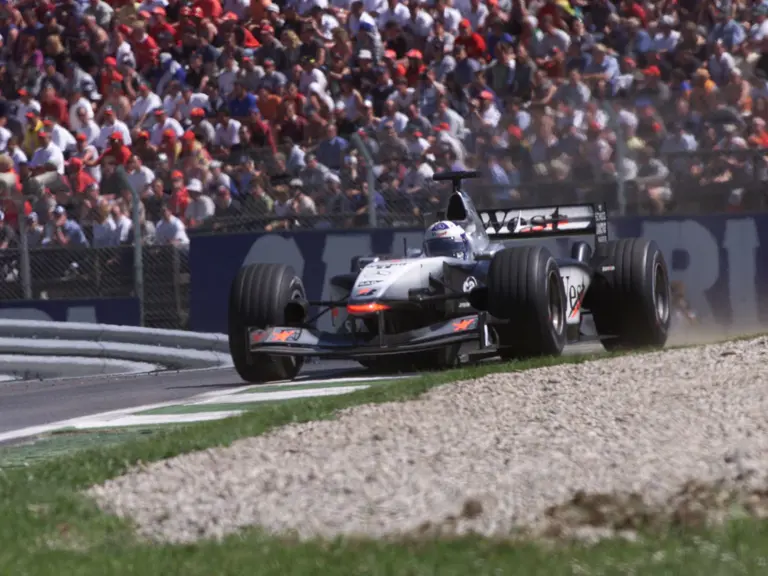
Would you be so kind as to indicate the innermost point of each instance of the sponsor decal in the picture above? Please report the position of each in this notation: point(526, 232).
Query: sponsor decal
point(527, 220)
point(366, 292)
point(368, 283)
point(439, 226)
point(257, 336)
point(283, 335)
point(464, 325)
point(469, 284)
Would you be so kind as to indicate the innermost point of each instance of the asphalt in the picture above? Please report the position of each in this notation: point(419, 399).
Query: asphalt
point(32, 403)
point(24, 404)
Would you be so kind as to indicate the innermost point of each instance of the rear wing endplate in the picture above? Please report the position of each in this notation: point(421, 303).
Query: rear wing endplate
point(564, 220)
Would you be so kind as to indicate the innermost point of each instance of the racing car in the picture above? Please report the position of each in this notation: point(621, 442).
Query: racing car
point(473, 290)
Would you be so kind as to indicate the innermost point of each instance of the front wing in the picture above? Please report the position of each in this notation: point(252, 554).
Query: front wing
point(289, 341)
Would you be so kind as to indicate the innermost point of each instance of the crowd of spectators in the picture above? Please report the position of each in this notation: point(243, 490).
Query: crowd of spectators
point(277, 114)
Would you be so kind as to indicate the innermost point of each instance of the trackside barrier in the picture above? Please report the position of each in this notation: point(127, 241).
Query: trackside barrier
point(720, 260)
point(168, 348)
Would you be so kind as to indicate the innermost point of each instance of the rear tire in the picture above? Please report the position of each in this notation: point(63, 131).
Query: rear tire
point(632, 302)
point(525, 287)
point(257, 299)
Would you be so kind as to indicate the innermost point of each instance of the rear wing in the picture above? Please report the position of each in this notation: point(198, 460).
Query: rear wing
point(564, 220)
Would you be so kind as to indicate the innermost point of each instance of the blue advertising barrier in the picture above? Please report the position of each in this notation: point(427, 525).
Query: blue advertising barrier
point(119, 311)
point(722, 260)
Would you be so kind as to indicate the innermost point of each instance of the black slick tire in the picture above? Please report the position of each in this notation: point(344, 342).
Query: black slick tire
point(257, 299)
point(630, 300)
point(525, 289)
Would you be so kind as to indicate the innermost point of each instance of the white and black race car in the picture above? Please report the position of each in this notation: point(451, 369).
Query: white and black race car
point(423, 311)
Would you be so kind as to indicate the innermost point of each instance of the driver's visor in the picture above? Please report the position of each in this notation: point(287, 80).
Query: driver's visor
point(446, 247)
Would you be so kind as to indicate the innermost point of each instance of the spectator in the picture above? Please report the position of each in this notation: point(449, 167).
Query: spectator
point(200, 208)
point(170, 229)
point(35, 231)
point(243, 99)
point(63, 232)
point(7, 235)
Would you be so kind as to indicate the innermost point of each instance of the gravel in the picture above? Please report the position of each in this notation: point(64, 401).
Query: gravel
point(608, 445)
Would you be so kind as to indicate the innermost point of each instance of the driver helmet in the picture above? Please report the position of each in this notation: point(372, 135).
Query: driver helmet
point(446, 239)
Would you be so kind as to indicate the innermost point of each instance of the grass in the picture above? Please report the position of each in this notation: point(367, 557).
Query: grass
point(46, 527)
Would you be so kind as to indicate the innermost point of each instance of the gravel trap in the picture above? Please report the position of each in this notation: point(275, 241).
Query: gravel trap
point(607, 446)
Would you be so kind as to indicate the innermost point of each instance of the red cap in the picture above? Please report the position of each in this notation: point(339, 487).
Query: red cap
point(158, 10)
point(23, 92)
point(189, 135)
point(31, 114)
point(47, 123)
point(109, 61)
point(197, 12)
point(414, 54)
point(170, 134)
point(515, 131)
point(197, 113)
point(486, 95)
point(43, 134)
point(109, 111)
point(76, 163)
point(159, 111)
point(230, 16)
point(267, 29)
point(465, 24)
point(81, 137)
point(177, 175)
point(390, 54)
point(144, 15)
point(593, 126)
point(116, 137)
point(143, 134)
point(652, 71)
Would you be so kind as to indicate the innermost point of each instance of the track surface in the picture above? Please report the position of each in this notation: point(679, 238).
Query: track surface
point(33, 403)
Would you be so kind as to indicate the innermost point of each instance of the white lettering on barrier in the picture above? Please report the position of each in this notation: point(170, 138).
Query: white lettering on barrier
point(74, 314)
point(741, 241)
point(700, 274)
point(703, 267)
point(337, 255)
point(276, 249)
point(704, 263)
point(82, 314)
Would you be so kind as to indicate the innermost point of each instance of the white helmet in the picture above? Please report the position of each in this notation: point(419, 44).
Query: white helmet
point(446, 239)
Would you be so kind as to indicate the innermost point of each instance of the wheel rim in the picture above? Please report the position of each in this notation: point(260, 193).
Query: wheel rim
point(555, 301)
point(660, 293)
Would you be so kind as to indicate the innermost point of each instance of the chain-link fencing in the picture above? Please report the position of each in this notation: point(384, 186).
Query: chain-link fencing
point(666, 148)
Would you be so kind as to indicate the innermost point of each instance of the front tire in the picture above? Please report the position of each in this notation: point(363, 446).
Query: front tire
point(631, 303)
point(525, 288)
point(257, 299)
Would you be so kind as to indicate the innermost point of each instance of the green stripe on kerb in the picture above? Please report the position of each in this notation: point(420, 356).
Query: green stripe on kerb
point(330, 384)
point(198, 408)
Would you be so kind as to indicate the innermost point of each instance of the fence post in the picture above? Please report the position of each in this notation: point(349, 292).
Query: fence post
point(371, 177)
point(138, 248)
point(24, 272)
point(621, 155)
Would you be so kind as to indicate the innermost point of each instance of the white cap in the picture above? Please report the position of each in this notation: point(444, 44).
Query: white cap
point(365, 55)
point(194, 185)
